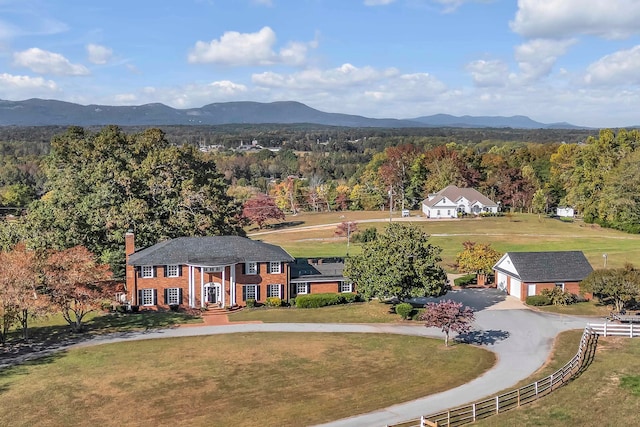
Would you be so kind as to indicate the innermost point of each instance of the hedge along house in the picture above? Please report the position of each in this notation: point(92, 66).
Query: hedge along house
point(319, 276)
point(199, 271)
point(523, 274)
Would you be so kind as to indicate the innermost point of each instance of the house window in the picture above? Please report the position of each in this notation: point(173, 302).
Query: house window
point(147, 271)
point(274, 291)
point(173, 271)
point(274, 268)
point(147, 297)
point(448, 212)
point(438, 212)
point(173, 296)
point(251, 268)
point(302, 288)
point(345, 287)
point(560, 285)
point(250, 292)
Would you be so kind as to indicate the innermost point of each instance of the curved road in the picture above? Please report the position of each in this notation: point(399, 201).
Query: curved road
point(521, 339)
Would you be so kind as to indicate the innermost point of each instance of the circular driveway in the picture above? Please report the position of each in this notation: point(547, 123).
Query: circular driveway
point(521, 339)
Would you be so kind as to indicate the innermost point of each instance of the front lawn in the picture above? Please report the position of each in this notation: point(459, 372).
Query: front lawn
point(366, 312)
point(248, 379)
point(589, 308)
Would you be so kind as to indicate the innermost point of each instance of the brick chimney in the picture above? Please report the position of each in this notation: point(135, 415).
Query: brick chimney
point(130, 272)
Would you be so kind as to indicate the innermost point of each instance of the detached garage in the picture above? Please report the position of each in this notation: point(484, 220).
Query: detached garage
point(522, 274)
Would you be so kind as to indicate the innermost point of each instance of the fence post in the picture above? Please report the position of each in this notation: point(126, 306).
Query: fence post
point(536, 385)
point(448, 418)
point(422, 423)
point(631, 330)
point(497, 404)
point(474, 412)
point(551, 382)
point(518, 397)
point(605, 329)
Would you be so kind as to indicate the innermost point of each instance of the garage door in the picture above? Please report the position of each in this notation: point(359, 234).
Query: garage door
point(501, 281)
point(515, 287)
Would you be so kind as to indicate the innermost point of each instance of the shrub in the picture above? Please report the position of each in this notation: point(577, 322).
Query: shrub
point(251, 303)
point(292, 302)
point(318, 300)
point(404, 310)
point(174, 307)
point(273, 302)
point(417, 313)
point(348, 298)
point(465, 280)
point(538, 300)
point(557, 296)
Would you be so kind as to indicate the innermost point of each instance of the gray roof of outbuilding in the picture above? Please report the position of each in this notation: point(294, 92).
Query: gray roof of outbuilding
point(208, 251)
point(557, 266)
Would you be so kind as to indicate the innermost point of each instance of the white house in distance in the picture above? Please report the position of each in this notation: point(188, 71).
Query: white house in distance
point(447, 202)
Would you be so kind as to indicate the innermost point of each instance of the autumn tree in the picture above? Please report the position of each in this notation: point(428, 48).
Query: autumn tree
point(76, 283)
point(398, 263)
point(260, 209)
point(20, 286)
point(478, 258)
point(102, 185)
point(346, 229)
point(616, 286)
point(449, 316)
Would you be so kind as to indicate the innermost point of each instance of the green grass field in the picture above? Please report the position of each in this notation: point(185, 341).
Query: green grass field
point(249, 379)
point(521, 232)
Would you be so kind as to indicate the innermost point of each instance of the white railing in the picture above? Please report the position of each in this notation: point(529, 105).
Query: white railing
point(512, 399)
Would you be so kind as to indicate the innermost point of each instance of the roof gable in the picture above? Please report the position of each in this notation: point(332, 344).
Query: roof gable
point(555, 266)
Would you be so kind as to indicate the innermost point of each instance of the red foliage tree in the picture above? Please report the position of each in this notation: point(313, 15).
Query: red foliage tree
point(77, 284)
point(261, 208)
point(449, 316)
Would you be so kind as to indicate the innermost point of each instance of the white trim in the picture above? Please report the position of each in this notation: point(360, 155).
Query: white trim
point(306, 288)
point(147, 271)
point(255, 292)
point(348, 285)
point(170, 267)
point(275, 267)
point(145, 294)
point(279, 290)
point(251, 268)
point(173, 296)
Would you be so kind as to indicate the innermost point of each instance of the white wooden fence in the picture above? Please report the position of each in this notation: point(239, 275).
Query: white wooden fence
point(512, 399)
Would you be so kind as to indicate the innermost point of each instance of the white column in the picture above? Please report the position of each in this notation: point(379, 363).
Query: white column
point(224, 271)
point(201, 283)
point(190, 284)
point(232, 284)
point(202, 299)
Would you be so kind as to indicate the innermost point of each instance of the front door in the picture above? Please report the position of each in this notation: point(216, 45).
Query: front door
point(212, 293)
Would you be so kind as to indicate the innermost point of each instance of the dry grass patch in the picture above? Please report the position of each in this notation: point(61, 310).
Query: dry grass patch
point(252, 379)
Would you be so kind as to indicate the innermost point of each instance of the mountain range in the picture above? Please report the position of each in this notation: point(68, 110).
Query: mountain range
point(43, 112)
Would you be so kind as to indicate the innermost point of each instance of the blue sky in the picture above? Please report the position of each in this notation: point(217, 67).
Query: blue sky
point(552, 60)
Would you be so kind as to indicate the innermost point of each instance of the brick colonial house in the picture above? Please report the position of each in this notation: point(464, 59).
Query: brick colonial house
point(523, 274)
point(197, 271)
point(223, 270)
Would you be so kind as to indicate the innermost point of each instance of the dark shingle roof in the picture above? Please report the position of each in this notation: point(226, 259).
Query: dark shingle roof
point(559, 266)
point(304, 271)
point(208, 251)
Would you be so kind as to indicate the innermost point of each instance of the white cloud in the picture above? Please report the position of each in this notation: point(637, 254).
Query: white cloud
point(378, 2)
point(45, 62)
point(536, 58)
point(99, 54)
point(22, 87)
point(619, 68)
point(488, 73)
point(566, 18)
point(238, 49)
point(345, 75)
